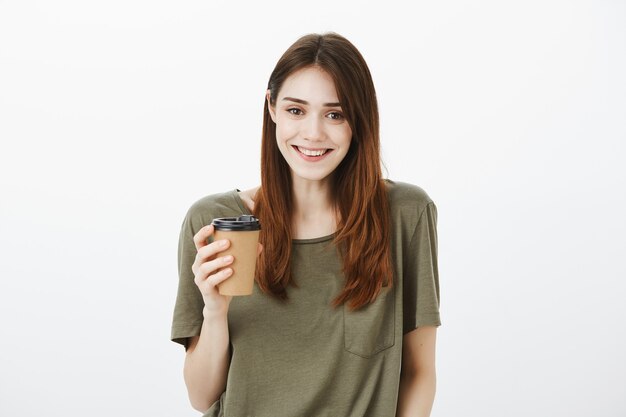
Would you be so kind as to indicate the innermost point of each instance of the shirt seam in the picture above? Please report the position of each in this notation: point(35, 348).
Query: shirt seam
point(419, 219)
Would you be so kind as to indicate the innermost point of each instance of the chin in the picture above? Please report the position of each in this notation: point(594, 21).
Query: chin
point(310, 176)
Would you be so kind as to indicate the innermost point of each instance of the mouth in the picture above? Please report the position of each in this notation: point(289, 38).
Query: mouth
point(312, 153)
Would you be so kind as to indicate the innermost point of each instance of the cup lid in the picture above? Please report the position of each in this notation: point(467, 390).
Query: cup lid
point(242, 223)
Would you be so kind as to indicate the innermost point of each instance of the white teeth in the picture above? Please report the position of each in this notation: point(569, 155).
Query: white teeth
point(312, 153)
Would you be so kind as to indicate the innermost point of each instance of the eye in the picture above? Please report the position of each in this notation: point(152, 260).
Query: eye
point(337, 115)
point(296, 109)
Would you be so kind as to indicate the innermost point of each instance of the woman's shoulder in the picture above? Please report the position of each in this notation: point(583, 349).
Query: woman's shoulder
point(407, 203)
point(247, 196)
point(204, 209)
point(404, 194)
point(210, 201)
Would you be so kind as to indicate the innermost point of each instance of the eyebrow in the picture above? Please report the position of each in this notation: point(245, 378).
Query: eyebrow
point(297, 100)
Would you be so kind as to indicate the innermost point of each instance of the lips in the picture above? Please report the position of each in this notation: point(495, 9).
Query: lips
point(312, 158)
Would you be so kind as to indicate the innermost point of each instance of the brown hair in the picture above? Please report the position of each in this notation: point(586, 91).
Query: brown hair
point(358, 190)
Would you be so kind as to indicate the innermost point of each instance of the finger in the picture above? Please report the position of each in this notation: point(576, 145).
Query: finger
point(215, 279)
point(208, 268)
point(210, 284)
point(260, 249)
point(200, 238)
point(212, 249)
point(208, 252)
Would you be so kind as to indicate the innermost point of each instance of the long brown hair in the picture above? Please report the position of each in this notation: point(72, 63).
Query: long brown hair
point(358, 189)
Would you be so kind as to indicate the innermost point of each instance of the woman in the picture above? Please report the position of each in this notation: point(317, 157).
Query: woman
point(343, 317)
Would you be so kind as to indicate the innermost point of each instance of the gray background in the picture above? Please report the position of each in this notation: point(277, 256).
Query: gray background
point(511, 115)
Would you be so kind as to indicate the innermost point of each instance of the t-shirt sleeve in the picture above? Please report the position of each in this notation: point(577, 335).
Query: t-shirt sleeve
point(187, 317)
point(421, 275)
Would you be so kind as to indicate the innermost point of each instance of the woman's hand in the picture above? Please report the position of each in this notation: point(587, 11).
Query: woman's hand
point(205, 266)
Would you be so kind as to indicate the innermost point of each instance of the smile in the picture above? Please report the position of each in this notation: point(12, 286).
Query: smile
point(312, 154)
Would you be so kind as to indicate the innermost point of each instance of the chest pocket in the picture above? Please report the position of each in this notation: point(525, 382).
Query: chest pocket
point(371, 329)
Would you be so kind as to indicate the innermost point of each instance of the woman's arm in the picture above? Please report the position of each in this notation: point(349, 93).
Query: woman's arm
point(207, 361)
point(207, 358)
point(418, 377)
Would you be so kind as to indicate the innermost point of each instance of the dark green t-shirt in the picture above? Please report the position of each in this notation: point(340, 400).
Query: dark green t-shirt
point(305, 358)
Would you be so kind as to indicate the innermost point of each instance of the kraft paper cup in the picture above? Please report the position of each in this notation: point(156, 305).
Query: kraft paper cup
point(243, 233)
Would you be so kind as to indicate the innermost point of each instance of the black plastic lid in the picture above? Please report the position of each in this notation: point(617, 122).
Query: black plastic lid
point(241, 223)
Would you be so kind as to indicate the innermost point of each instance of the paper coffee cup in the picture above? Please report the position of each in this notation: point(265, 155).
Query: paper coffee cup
point(243, 233)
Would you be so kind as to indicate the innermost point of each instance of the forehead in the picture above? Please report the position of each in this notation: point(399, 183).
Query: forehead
point(311, 84)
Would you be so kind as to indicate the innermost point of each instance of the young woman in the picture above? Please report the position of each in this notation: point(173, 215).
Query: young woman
point(343, 317)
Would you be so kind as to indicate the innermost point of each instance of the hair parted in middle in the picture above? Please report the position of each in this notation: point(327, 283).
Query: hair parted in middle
point(358, 190)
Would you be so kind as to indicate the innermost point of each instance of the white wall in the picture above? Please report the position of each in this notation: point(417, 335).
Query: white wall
point(511, 115)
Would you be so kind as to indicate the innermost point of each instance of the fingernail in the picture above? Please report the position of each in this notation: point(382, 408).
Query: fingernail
point(228, 258)
point(223, 243)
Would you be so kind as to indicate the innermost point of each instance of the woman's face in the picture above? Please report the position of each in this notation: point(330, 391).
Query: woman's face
point(309, 121)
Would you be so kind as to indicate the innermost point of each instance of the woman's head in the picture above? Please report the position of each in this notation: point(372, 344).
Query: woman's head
point(312, 133)
point(330, 74)
point(328, 69)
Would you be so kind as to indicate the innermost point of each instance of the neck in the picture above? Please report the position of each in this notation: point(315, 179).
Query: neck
point(312, 204)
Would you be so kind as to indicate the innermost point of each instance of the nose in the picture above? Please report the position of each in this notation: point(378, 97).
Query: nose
point(314, 130)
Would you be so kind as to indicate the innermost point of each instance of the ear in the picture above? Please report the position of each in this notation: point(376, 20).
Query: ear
point(271, 109)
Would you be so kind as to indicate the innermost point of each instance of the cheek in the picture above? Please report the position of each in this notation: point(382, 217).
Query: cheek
point(284, 129)
point(281, 136)
point(346, 135)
